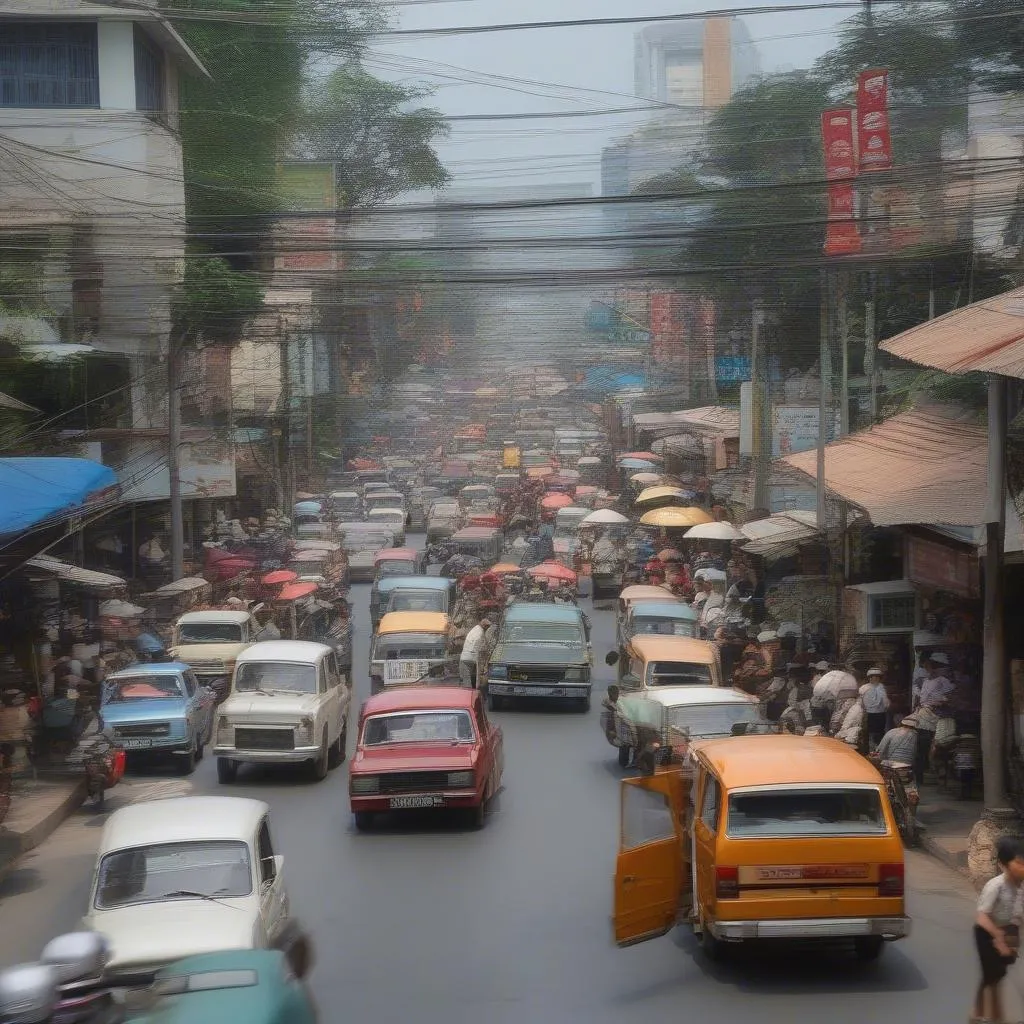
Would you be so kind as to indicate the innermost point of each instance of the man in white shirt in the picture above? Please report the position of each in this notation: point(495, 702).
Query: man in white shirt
point(931, 706)
point(875, 699)
point(470, 649)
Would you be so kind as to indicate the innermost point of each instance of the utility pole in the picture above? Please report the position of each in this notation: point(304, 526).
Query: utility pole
point(871, 343)
point(824, 395)
point(993, 677)
point(844, 341)
point(174, 354)
point(759, 401)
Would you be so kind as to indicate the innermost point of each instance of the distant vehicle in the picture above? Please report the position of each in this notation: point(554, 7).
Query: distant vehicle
point(289, 704)
point(649, 662)
point(346, 506)
point(390, 518)
point(425, 593)
point(159, 710)
point(425, 747)
point(361, 542)
point(408, 646)
point(184, 876)
point(211, 641)
point(543, 650)
point(660, 618)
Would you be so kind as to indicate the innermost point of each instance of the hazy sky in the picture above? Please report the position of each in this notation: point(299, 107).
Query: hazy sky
point(579, 66)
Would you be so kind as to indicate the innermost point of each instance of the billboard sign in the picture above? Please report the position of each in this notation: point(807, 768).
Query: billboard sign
point(842, 236)
point(206, 470)
point(874, 138)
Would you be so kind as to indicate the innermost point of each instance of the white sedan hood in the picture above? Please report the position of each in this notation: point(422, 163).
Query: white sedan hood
point(287, 705)
point(159, 933)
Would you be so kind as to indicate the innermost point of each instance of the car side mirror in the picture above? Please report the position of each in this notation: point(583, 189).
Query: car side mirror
point(611, 658)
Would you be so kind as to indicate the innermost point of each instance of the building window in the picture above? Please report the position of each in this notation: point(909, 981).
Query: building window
point(49, 65)
point(149, 74)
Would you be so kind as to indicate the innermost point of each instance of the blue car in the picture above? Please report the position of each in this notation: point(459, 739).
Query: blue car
point(159, 710)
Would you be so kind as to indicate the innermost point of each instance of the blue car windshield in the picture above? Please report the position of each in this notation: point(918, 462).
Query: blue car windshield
point(143, 688)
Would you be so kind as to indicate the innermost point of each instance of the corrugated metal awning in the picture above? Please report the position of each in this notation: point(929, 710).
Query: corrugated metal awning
point(924, 466)
point(68, 573)
point(987, 336)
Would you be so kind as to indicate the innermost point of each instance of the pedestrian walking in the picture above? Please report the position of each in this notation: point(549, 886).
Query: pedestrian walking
point(470, 649)
point(875, 699)
point(997, 929)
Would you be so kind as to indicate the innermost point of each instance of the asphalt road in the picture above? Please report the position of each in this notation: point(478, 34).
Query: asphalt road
point(424, 920)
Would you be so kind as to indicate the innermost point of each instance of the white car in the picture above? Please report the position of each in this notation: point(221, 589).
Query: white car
point(289, 703)
point(184, 876)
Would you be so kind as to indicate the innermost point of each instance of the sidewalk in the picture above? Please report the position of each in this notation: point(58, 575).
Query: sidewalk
point(37, 809)
point(945, 823)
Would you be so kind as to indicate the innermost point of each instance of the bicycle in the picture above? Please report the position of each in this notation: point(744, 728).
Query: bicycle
point(903, 797)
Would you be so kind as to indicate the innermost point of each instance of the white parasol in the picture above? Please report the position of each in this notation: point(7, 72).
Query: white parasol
point(120, 609)
point(714, 531)
point(604, 517)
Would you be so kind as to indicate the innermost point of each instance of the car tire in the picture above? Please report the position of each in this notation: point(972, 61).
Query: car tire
point(343, 741)
point(714, 949)
point(583, 705)
point(321, 762)
point(364, 819)
point(336, 751)
point(188, 761)
point(476, 816)
point(868, 947)
point(227, 770)
point(200, 747)
point(625, 756)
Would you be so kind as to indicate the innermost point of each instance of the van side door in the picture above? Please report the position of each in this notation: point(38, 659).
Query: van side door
point(651, 864)
point(706, 825)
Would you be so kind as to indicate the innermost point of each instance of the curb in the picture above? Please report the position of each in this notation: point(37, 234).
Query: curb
point(13, 845)
point(956, 861)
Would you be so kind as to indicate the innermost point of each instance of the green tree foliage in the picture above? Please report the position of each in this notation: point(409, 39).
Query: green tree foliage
point(379, 139)
point(990, 34)
point(216, 299)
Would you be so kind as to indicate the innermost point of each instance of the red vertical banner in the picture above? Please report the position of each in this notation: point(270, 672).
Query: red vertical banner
point(874, 138)
point(842, 236)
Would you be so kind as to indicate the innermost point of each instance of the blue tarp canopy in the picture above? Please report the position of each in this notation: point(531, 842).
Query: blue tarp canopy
point(613, 378)
point(33, 490)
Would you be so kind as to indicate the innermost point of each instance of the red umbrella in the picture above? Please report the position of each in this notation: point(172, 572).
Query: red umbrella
point(553, 571)
point(293, 591)
point(279, 576)
point(555, 500)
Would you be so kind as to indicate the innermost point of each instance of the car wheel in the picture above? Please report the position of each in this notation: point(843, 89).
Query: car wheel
point(476, 816)
point(714, 949)
point(364, 819)
point(343, 741)
point(227, 770)
point(625, 756)
point(200, 747)
point(321, 761)
point(868, 947)
point(584, 705)
point(188, 761)
point(336, 751)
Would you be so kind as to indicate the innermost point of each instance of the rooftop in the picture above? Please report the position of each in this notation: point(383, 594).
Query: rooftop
point(674, 648)
point(182, 819)
point(419, 698)
point(413, 622)
point(786, 760)
point(301, 651)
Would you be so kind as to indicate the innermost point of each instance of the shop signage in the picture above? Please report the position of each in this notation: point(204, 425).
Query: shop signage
point(943, 568)
point(842, 236)
point(874, 139)
point(795, 429)
point(206, 470)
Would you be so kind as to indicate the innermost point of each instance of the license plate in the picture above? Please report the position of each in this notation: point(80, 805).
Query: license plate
point(825, 873)
point(537, 691)
point(136, 743)
point(405, 803)
point(404, 671)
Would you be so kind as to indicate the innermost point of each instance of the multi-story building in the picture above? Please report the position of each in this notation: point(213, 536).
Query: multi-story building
point(91, 179)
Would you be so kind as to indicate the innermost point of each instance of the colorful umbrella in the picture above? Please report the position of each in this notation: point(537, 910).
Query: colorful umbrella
point(553, 571)
point(674, 516)
point(644, 456)
point(555, 500)
point(293, 591)
point(647, 479)
point(641, 465)
point(660, 494)
point(279, 577)
point(503, 568)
